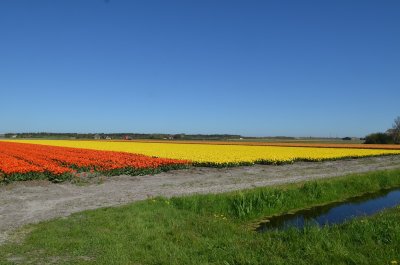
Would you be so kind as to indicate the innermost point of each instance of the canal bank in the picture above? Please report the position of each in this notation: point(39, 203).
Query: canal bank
point(213, 229)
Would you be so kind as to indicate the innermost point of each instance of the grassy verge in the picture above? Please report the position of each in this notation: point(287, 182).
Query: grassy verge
point(266, 201)
point(213, 229)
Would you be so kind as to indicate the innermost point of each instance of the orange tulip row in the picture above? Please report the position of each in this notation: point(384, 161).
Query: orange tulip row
point(30, 158)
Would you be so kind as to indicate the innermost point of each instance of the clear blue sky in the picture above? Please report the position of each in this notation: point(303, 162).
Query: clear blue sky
point(296, 68)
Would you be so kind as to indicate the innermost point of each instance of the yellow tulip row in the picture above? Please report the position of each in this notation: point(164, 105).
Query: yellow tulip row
point(220, 155)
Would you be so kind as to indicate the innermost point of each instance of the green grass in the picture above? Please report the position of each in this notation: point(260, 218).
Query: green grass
point(215, 229)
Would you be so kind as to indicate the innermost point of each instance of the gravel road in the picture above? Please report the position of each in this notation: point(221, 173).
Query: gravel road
point(34, 201)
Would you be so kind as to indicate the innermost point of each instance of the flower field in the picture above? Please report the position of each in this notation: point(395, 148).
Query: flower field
point(21, 161)
point(220, 155)
point(283, 144)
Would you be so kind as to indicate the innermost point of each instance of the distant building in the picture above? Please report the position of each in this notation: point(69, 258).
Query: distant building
point(126, 137)
point(14, 136)
point(108, 138)
point(97, 137)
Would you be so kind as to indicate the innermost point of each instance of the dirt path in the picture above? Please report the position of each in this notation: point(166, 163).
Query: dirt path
point(31, 202)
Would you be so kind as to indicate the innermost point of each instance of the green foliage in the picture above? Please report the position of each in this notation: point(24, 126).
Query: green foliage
point(57, 178)
point(276, 162)
point(7, 178)
point(378, 138)
point(141, 171)
point(312, 189)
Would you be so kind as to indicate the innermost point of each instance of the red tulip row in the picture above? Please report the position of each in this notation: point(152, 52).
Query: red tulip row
point(20, 158)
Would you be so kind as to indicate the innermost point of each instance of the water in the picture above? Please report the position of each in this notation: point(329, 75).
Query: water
point(335, 213)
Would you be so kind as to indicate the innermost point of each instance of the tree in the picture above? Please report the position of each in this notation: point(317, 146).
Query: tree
point(378, 138)
point(396, 130)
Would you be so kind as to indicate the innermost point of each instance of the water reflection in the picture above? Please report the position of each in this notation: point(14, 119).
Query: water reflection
point(335, 213)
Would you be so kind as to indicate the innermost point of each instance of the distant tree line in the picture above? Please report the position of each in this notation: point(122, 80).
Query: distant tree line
point(50, 135)
point(126, 136)
point(391, 136)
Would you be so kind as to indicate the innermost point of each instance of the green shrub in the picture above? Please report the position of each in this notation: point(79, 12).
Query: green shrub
point(379, 138)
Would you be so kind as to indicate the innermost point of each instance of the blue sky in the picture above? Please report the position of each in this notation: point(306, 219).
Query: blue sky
point(256, 68)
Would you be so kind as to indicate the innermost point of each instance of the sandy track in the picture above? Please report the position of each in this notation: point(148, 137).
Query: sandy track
point(30, 202)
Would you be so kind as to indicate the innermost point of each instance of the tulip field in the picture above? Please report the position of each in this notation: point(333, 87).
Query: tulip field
point(219, 155)
point(54, 159)
point(20, 161)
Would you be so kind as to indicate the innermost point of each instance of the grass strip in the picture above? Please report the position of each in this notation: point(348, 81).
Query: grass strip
point(211, 229)
point(267, 201)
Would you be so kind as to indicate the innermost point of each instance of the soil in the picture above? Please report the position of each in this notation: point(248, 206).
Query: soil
point(34, 201)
